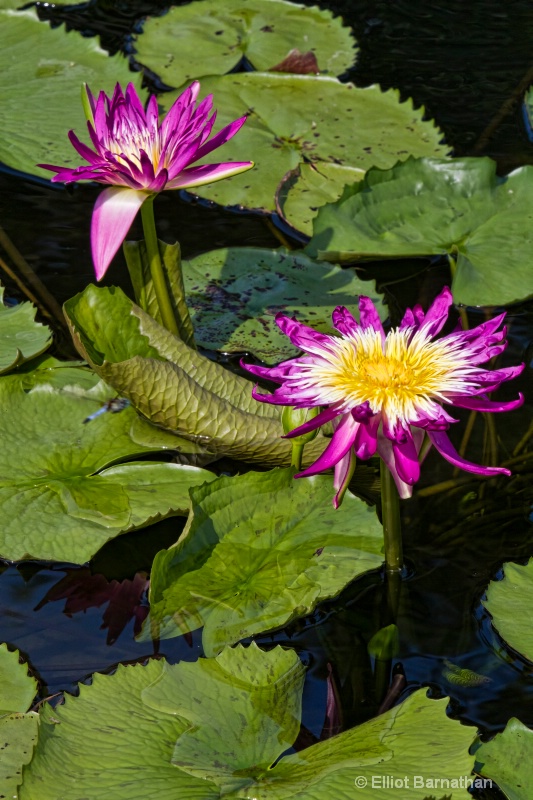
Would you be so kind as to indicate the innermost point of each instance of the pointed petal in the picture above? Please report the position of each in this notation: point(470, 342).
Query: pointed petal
point(477, 403)
point(437, 314)
point(221, 137)
point(447, 450)
point(208, 173)
point(340, 443)
point(369, 316)
point(114, 211)
point(386, 453)
point(344, 470)
point(304, 337)
point(344, 321)
point(84, 151)
point(366, 440)
point(406, 460)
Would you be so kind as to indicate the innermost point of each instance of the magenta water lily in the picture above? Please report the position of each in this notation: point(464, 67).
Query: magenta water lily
point(137, 157)
point(384, 393)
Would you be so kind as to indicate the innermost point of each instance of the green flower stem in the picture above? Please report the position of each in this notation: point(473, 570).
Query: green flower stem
point(390, 512)
point(156, 267)
point(297, 453)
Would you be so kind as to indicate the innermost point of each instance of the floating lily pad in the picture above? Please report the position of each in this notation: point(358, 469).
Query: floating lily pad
point(297, 118)
point(260, 550)
point(459, 208)
point(21, 338)
point(212, 36)
point(52, 371)
point(213, 729)
point(172, 385)
point(317, 184)
point(18, 730)
point(509, 604)
point(234, 293)
point(508, 761)
point(41, 74)
point(62, 492)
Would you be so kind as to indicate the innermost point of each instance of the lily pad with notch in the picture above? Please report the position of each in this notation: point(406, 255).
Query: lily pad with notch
point(212, 36)
point(21, 338)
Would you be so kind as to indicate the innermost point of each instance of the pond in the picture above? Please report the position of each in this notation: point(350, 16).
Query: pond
point(341, 645)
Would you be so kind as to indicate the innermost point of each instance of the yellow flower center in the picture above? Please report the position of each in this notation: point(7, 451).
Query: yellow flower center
point(398, 377)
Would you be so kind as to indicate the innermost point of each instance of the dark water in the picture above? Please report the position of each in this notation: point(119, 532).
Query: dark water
point(468, 63)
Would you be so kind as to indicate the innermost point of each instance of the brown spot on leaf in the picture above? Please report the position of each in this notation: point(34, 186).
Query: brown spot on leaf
point(298, 63)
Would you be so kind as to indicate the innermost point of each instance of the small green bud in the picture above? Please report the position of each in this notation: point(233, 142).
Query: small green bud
point(292, 418)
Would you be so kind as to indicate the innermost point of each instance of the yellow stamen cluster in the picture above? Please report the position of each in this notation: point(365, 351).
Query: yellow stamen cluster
point(399, 377)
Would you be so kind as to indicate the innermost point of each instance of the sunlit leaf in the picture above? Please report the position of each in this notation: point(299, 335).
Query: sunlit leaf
point(212, 36)
point(508, 602)
point(213, 729)
point(21, 338)
point(508, 760)
point(235, 293)
point(294, 119)
point(459, 208)
point(63, 493)
point(260, 550)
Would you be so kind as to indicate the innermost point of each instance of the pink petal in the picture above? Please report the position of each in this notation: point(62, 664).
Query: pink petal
point(344, 321)
point(477, 403)
point(340, 443)
point(386, 453)
point(208, 173)
point(221, 137)
point(448, 451)
point(437, 313)
point(325, 416)
point(114, 211)
point(304, 337)
point(344, 469)
point(366, 439)
point(369, 316)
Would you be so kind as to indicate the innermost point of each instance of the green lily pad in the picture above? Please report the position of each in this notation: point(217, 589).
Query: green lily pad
point(297, 118)
point(259, 550)
point(508, 760)
point(213, 729)
point(423, 207)
point(318, 184)
point(49, 370)
point(62, 494)
point(21, 338)
point(41, 74)
point(509, 603)
point(235, 293)
point(18, 730)
point(173, 385)
point(211, 37)
point(17, 688)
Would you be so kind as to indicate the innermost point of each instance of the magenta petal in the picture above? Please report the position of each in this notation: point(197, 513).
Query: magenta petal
point(369, 316)
point(340, 443)
point(304, 337)
point(437, 313)
point(406, 460)
point(366, 440)
point(114, 211)
point(344, 470)
point(385, 452)
point(344, 321)
point(477, 403)
point(208, 173)
point(84, 151)
point(448, 451)
point(221, 137)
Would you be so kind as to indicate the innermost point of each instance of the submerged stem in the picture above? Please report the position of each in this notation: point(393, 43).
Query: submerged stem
point(156, 267)
point(390, 513)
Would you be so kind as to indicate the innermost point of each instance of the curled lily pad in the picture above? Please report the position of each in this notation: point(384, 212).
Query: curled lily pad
point(21, 338)
point(259, 550)
point(212, 36)
point(41, 74)
point(297, 118)
point(214, 728)
point(173, 385)
point(63, 493)
point(235, 293)
point(508, 602)
point(423, 207)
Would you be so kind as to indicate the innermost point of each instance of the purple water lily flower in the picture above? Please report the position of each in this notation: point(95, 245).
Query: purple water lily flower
point(383, 393)
point(138, 157)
